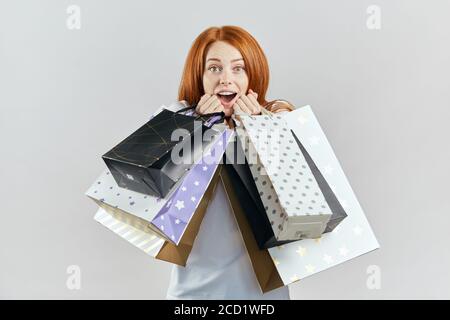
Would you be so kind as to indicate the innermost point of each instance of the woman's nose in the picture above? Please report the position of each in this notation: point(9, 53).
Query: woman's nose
point(225, 79)
point(225, 82)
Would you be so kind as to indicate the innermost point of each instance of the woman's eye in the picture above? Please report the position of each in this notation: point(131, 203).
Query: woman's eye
point(214, 69)
point(239, 69)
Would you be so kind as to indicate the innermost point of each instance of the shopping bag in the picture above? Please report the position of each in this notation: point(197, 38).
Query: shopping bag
point(291, 262)
point(263, 266)
point(173, 218)
point(169, 216)
point(151, 243)
point(338, 212)
point(144, 161)
point(294, 202)
point(243, 184)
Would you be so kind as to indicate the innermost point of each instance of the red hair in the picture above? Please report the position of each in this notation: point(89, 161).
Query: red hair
point(191, 86)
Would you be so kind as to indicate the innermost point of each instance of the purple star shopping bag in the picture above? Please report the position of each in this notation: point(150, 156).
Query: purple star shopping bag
point(173, 218)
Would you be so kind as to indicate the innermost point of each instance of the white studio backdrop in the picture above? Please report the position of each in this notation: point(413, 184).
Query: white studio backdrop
point(375, 73)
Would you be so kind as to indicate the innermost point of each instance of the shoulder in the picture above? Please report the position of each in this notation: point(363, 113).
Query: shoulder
point(177, 105)
point(174, 106)
point(279, 105)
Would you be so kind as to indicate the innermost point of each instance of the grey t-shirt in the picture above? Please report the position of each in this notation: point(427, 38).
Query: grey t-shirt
point(218, 266)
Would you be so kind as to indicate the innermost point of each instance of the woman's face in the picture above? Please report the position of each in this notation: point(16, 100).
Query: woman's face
point(225, 74)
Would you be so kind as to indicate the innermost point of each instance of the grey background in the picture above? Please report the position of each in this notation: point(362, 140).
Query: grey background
point(67, 96)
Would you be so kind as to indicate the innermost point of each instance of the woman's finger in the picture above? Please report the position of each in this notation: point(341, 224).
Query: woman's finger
point(208, 104)
point(218, 107)
point(202, 101)
point(255, 103)
point(243, 106)
point(253, 93)
point(237, 109)
point(213, 106)
point(253, 99)
point(210, 101)
point(250, 105)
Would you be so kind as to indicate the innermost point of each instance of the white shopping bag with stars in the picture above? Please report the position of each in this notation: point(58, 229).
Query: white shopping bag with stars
point(353, 237)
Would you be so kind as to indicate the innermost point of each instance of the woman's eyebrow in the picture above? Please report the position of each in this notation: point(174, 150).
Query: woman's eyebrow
point(216, 59)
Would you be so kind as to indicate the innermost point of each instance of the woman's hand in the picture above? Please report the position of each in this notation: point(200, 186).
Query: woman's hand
point(248, 104)
point(209, 104)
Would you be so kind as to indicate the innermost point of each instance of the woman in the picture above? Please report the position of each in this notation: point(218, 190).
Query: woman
point(226, 70)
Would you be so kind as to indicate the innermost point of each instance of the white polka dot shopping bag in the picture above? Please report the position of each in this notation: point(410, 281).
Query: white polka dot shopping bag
point(293, 199)
point(291, 262)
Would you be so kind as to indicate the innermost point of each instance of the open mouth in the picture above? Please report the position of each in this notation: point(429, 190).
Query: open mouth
point(226, 98)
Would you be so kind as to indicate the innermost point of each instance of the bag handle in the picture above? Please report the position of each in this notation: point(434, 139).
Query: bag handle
point(266, 112)
point(205, 117)
point(186, 109)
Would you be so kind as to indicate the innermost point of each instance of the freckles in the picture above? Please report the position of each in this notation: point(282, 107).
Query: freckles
point(209, 83)
point(211, 80)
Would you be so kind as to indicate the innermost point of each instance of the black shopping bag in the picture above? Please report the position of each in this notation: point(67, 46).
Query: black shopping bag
point(143, 162)
point(238, 172)
point(338, 212)
point(244, 187)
